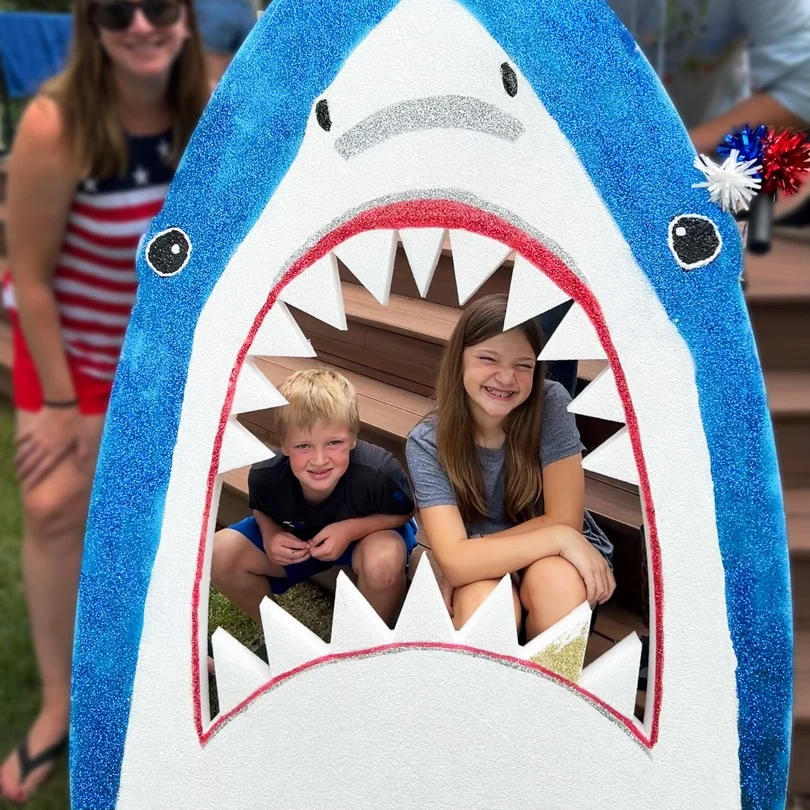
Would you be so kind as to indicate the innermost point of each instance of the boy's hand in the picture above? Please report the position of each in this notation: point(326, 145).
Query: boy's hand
point(331, 541)
point(285, 549)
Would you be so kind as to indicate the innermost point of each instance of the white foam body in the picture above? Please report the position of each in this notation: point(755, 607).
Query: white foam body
point(416, 728)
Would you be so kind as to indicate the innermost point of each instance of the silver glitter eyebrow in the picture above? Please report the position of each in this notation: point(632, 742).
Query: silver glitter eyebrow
point(433, 112)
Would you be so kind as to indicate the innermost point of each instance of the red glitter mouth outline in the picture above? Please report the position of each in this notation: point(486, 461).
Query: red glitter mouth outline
point(446, 214)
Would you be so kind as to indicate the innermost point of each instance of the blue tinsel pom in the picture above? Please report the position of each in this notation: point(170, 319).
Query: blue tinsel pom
point(750, 143)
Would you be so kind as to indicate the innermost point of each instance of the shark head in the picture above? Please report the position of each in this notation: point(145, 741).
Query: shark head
point(339, 128)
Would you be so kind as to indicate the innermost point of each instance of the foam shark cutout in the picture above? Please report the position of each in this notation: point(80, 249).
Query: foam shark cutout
point(534, 128)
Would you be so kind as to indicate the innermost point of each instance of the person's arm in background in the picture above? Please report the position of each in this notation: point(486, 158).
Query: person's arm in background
point(779, 56)
point(41, 187)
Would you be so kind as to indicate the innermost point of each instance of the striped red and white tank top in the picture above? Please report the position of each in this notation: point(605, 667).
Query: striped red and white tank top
point(94, 280)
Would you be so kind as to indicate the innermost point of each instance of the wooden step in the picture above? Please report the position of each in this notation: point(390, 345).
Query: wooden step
point(797, 510)
point(789, 402)
point(400, 344)
point(800, 754)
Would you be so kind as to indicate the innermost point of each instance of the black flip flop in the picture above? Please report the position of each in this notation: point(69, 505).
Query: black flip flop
point(29, 764)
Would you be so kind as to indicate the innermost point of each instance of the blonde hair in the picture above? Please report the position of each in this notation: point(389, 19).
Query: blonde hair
point(86, 94)
point(316, 395)
point(455, 429)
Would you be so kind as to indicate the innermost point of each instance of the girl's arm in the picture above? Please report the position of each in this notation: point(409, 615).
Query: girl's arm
point(465, 560)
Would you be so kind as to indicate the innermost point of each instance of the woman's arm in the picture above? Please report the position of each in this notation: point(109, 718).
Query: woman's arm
point(41, 187)
point(761, 108)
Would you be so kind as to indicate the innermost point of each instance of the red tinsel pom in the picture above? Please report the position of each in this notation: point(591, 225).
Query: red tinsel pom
point(785, 161)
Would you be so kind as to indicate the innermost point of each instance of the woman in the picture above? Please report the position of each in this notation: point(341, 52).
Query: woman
point(498, 479)
point(91, 163)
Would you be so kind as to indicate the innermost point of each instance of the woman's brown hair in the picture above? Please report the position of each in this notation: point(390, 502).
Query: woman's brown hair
point(455, 429)
point(86, 94)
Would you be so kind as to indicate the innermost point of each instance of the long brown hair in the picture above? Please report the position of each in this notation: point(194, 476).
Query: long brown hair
point(455, 429)
point(86, 94)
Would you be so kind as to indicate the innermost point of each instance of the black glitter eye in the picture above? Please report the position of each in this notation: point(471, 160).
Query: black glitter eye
point(168, 252)
point(509, 79)
point(322, 114)
point(694, 240)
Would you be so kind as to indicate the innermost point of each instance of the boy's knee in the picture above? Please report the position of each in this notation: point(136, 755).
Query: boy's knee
point(227, 554)
point(551, 579)
point(381, 562)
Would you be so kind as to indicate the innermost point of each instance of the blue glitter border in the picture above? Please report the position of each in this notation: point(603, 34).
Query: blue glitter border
point(244, 145)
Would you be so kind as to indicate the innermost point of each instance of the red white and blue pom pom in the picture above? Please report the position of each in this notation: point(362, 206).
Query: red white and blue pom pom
point(757, 160)
point(732, 184)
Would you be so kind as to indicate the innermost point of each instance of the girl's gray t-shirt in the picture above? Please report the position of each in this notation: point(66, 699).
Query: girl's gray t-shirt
point(559, 439)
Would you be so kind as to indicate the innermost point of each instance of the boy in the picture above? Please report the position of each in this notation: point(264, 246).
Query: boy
point(328, 499)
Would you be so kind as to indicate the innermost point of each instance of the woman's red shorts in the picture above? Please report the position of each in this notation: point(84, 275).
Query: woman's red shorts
point(93, 394)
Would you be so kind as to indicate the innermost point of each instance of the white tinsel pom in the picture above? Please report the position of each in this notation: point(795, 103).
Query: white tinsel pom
point(731, 184)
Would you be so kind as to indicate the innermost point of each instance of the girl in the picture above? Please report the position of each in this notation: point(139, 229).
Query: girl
point(498, 479)
point(93, 157)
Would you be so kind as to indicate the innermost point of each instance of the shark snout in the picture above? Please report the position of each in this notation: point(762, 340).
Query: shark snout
point(432, 112)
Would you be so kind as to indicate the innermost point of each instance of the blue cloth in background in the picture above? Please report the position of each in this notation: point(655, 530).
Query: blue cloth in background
point(33, 47)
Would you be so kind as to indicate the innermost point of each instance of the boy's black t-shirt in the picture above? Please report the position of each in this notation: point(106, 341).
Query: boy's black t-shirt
point(373, 484)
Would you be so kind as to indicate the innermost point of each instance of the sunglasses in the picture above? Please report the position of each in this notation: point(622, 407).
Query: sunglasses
point(119, 14)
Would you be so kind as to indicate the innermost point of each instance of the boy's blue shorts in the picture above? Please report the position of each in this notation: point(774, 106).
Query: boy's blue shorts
point(298, 572)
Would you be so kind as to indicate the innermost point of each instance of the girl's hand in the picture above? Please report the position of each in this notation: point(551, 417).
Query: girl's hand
point(56, 433)
point(591, 565)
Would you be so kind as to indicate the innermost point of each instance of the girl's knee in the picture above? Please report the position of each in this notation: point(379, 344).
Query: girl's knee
point(551, 579)
point(380, 560)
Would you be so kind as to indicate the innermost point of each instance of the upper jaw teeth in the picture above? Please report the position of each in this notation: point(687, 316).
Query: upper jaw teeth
point(370, 256)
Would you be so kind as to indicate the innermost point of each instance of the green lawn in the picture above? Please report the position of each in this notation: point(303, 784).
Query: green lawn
point(18, 677)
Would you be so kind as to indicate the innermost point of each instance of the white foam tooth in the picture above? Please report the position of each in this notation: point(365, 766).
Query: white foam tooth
point(424, 616)
point(317, 292)
point(239, 673)
point(254, 391)
point(614, 458)
point(370, 256)
point(531, 293)
point(423, 247)
point(280, 336)
point(240, 448)
point(613, 677)
point(561, 648)
point(600, 399)
point(475, 259)
point(574, 339)
point(289, 643)
point(492, 626)
point(355, 624)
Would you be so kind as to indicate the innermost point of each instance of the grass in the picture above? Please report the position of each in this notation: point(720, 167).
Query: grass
point(19, 693)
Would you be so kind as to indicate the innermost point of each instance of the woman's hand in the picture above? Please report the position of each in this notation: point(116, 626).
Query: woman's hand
point(591, 565)
point(55, 434)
